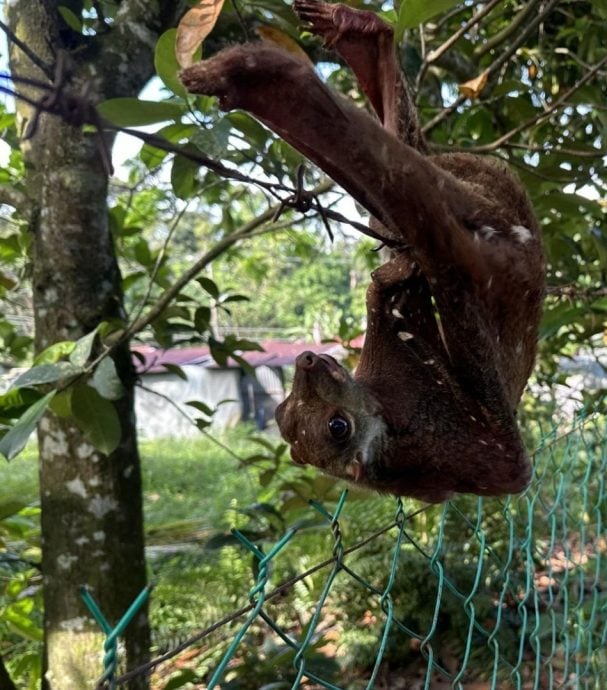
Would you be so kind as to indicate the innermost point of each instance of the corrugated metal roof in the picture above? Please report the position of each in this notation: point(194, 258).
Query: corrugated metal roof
point(277, 353)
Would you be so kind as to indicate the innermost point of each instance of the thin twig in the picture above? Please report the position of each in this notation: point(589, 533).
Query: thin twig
point(158, 263)
point(434, 55)
point(545, 114)
point(512, 27)
point(495, 66)
point(554, 149)
point(576, 292)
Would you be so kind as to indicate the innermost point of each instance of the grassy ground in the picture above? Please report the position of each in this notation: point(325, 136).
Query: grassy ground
point(183, 480)
point(196, 489)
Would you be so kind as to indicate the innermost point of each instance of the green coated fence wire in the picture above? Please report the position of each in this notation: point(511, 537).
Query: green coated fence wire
point(110, 646)
point(492, 594)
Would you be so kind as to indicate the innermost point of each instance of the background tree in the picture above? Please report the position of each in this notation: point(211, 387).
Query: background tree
point(521, 81)
point(90, 483)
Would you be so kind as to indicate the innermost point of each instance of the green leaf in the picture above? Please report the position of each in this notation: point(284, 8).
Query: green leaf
point(201, 407)
point(174, 369)
point(82, 351)
point(46, 373)
point(180, 679)
point(202, 319)
point(252, 130)
point(183, 176)
point(22, 623)
point(266, 477)
point(70, 18)
point(235, 298)
point(13, 442)
point(9, 508)
point(97, 418)
point(209, 286)
point(555, 319)
point(175, 133)
point(415, 12)
point(213, 141)
point(53, 353)
point(599, 304)
point(106, 380)
point(15, 402)
point(133, 112)
point(166, 63)
point(61, 404)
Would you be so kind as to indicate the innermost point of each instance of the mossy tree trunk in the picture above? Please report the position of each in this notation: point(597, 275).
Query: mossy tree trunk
point(92, 527)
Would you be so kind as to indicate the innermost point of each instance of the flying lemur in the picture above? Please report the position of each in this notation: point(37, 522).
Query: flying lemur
point(452, 318)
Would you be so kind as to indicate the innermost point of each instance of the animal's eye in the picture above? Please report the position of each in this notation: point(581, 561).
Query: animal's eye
point(339, 428)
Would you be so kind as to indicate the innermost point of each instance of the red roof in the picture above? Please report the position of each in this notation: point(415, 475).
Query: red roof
point(277, 353)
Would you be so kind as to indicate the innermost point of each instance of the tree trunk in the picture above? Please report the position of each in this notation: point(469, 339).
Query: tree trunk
point(92, 525)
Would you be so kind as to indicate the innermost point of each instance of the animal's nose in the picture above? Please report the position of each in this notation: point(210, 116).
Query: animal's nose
point(306, 360)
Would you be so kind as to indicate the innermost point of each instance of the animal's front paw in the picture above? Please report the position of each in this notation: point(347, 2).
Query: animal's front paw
point(333, 21)
point(319, 16)
point(215, 77)
point(236, 75)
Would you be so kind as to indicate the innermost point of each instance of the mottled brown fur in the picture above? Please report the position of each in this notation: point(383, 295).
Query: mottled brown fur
point(452, 318)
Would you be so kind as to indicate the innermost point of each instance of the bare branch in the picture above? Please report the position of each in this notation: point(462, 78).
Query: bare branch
point(577, 292)
point(221, 246)
point(545, 114)
point(555, 149)
point(504, 35)
point(496, 65)
point(159, 260)
point(433, 55)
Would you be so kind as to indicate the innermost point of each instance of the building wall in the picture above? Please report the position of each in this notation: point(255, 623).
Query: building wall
point(237, 396)
point(158, 403)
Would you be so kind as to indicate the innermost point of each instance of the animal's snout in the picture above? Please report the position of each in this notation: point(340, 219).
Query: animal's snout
point(306, 360)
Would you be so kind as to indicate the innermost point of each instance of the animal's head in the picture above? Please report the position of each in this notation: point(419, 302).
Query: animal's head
point(329, 419)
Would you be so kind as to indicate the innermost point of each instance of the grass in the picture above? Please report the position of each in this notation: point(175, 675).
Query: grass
point(195, 480)
point(19, 478)
point(184, 480)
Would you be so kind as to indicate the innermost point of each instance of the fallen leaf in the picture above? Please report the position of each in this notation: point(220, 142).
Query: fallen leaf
point(195, 25)
point(270, 34)
point(472, 89)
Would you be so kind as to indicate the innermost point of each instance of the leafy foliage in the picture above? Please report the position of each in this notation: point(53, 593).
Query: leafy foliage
point(204, 255)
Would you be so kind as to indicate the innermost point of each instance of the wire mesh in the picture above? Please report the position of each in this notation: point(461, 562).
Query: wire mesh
point(476, 593)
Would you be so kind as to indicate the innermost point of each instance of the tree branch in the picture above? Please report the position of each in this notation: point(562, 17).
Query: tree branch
point(504, 35)
point(576, 292)
point(495, 66)
point(555, 149)
point(433, 55)
point(170, 293)
point(559, 103)
point(196, 156)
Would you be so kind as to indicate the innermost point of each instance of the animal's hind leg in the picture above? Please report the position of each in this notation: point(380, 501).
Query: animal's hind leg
point(366, 43)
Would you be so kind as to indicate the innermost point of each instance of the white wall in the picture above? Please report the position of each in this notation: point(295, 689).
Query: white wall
point(157, 415)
